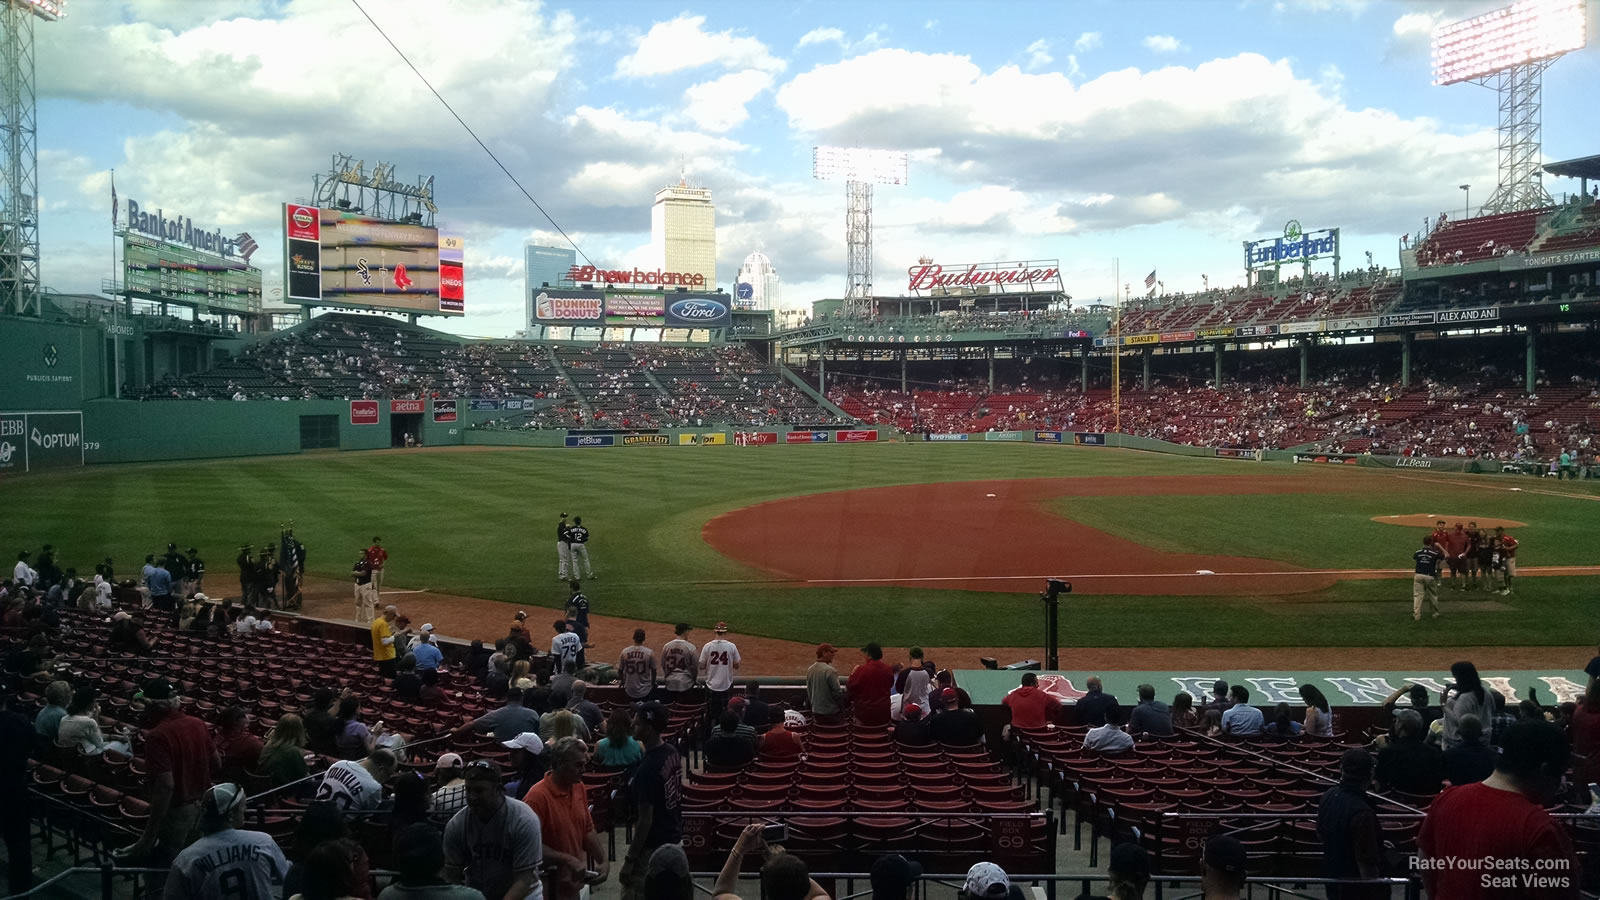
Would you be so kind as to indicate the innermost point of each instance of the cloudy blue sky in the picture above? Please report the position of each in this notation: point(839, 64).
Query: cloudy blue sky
point(1163, 133)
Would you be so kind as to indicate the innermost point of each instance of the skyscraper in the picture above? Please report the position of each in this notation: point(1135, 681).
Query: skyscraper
point(683, 231)
point(762, 280)
point(546, 265)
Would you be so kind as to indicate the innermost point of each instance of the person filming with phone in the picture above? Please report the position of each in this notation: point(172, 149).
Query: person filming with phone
point(783, 877)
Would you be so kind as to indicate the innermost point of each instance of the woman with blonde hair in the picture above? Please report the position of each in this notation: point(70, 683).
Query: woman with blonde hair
point(520, 678)
point(283, 758)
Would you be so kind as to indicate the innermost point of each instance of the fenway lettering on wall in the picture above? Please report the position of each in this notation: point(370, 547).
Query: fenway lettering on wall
point(594, 275)
point(1032, 275)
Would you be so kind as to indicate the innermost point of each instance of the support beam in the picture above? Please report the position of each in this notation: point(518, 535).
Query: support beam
point(1216, 381)
point(1405, 360)
point(1147, 353)
point(1305, 363)
point(1533, 367)
point(1084, 374)
point(903, 372)
point(822, 375)
point(990, 353)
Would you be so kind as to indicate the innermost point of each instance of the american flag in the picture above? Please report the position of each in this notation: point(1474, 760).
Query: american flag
point(1150, 280)
point(115, 214)
point(247, 245)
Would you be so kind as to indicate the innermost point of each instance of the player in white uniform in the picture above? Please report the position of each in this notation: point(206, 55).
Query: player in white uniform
point(228, 861)
point(719, 659)
point(578, 539)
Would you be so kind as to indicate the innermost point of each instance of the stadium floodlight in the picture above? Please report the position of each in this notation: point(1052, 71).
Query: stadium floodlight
point(860, 168)
point(1508, 49)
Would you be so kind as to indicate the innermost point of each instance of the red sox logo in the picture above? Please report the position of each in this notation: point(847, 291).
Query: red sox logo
point(1058, 686)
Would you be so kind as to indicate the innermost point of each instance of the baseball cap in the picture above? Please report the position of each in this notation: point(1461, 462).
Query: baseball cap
point(911, 708)
point(448, 761)
point(201, 598)
point(156, 689)
point(654, 713)
point(891, 875)
point(794, 718)
point(722, 628)
point(1226, 854)
point(669, 859)
point(222, 799)
point(822, 650)
point(428, 627)
point(949, 695)
point(528, 740)
point(520, 615)
point(1129, 858)
point(987, 880)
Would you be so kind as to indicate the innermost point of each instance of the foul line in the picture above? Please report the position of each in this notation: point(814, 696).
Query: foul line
point(1532, 570)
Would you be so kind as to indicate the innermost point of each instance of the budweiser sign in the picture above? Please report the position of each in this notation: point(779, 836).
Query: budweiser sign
point(927, 275)
point(592, 274)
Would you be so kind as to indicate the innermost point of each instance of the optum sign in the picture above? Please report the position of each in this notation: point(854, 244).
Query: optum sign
point(30, 441)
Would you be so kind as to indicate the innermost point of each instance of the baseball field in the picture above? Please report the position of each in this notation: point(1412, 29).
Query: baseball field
point(944, 545)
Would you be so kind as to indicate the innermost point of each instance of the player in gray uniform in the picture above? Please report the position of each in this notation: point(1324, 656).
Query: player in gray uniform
point(563, 548)
point(228, 861)
point(680, 663)
point(578, 539)
point(638, 667)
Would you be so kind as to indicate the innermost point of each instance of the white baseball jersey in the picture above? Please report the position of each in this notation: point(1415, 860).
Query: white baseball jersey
point(565, 647)
point(719, 657)
point(350, 786)
point(231, 864)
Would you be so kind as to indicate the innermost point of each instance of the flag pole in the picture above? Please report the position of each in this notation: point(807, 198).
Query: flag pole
point(1116, 352)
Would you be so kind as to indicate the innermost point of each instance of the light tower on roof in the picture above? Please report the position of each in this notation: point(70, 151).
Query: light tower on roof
point(1508, 49)
point(19, 184)
point(860, 169)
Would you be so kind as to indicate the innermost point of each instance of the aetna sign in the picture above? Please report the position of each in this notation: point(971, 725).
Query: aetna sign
point(592, 275)
point(1040, 275)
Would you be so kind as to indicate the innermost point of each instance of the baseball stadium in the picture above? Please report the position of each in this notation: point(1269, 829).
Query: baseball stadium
point(1095, 594)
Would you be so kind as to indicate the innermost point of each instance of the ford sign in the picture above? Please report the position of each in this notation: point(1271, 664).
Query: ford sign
point(698, 312)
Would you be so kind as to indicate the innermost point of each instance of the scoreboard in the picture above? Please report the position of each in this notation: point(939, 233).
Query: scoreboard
point(158, 270)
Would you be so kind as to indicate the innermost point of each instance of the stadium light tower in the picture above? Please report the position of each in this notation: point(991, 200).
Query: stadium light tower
point(1509, 49)
point(860, 169)
point(19, 194)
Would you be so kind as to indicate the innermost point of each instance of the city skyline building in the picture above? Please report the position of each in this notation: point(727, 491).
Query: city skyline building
point(759, 279)
point(545, 265)
point(683, 231)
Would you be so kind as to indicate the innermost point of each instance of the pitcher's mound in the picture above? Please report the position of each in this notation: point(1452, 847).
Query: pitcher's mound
point(1427, 520)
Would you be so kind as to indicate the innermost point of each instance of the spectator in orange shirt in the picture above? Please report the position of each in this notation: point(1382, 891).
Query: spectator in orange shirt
point(562, 803)
point(1031, 707)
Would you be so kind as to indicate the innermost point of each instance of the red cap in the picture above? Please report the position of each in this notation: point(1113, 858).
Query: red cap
point(825, 648)
point(910, 708)
point(949, 695)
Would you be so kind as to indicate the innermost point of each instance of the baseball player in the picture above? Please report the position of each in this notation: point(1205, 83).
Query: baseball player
point(578, 540)
point(1508, 557)
point(578, 609)
point(638, 667)
point(1487, 564)
point(376, 557)
point(1456, 548)
point(719, 659)
point(565, 647)
point(361, 574)
point(1425, 583)
point(680, 664)
point(563, 548)
point(197, 571)
point(1475, 539)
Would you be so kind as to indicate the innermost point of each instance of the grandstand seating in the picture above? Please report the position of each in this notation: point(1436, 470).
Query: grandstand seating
point(1460, 241)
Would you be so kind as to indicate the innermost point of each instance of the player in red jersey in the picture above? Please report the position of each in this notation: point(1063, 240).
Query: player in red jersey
point(1508, 549)
point(1457, 546)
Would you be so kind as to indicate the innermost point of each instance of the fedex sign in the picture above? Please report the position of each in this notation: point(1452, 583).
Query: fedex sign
point(592, 274)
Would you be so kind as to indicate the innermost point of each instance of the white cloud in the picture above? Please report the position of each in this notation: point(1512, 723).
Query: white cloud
point(821, 36)
point(930, 25)
point(1417, 26)
point(720, 105)
point(1089, 40)
point(1039, 55)
point(1163, 43)
point(683, 43)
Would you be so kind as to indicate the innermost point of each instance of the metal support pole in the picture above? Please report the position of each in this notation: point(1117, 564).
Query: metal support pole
point(1083, 375)
point(1405, 360)
point(1305, 363)
point(1147, 353)
point(1216, 381)
point(903, 372)
point(990, 353)
point(822, 375)
point(1533, 368)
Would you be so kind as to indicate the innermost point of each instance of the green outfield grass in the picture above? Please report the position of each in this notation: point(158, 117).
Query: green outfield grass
point(479, 524)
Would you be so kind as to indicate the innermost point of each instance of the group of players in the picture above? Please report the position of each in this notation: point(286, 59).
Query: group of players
point(572, 549)
point(1476, 558)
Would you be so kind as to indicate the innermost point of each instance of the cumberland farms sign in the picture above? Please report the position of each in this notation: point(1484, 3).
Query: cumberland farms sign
point(1032, 275)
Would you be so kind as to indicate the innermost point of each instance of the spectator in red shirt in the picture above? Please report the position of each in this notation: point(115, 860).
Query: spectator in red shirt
point(238, 748)
point(1031, 707)
point(869, 687)
point(1503, 818)
point(1586, 733)
point(180, 761)
point(781, 742)
point(1455, 547)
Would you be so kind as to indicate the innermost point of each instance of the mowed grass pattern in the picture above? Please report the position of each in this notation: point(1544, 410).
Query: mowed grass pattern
point(481, 524)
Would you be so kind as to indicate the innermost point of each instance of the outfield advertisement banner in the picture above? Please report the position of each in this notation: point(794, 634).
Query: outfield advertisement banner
point(1301, 327)
point(481, 404)
point(1215, 332)
point(1432, 464)
point(1357, 323)
point(1350, 459)
point(591, 440)
point(1137, 339)
point(945, 437)
point(1088, 439)
point(1008, 436)
point(715, 438)
point(405, 406)
point(1256, 330)
point(645, 440)
point(517, 404)
point(1461, 316)
point(30, 441)
point(1176, 336)
point(1047, 437)
point(1235, 453)
point(806, 437)
point(444, 410)
point(1406, 319)
point(363, 412)
point(752, 438)
point(856, 437)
